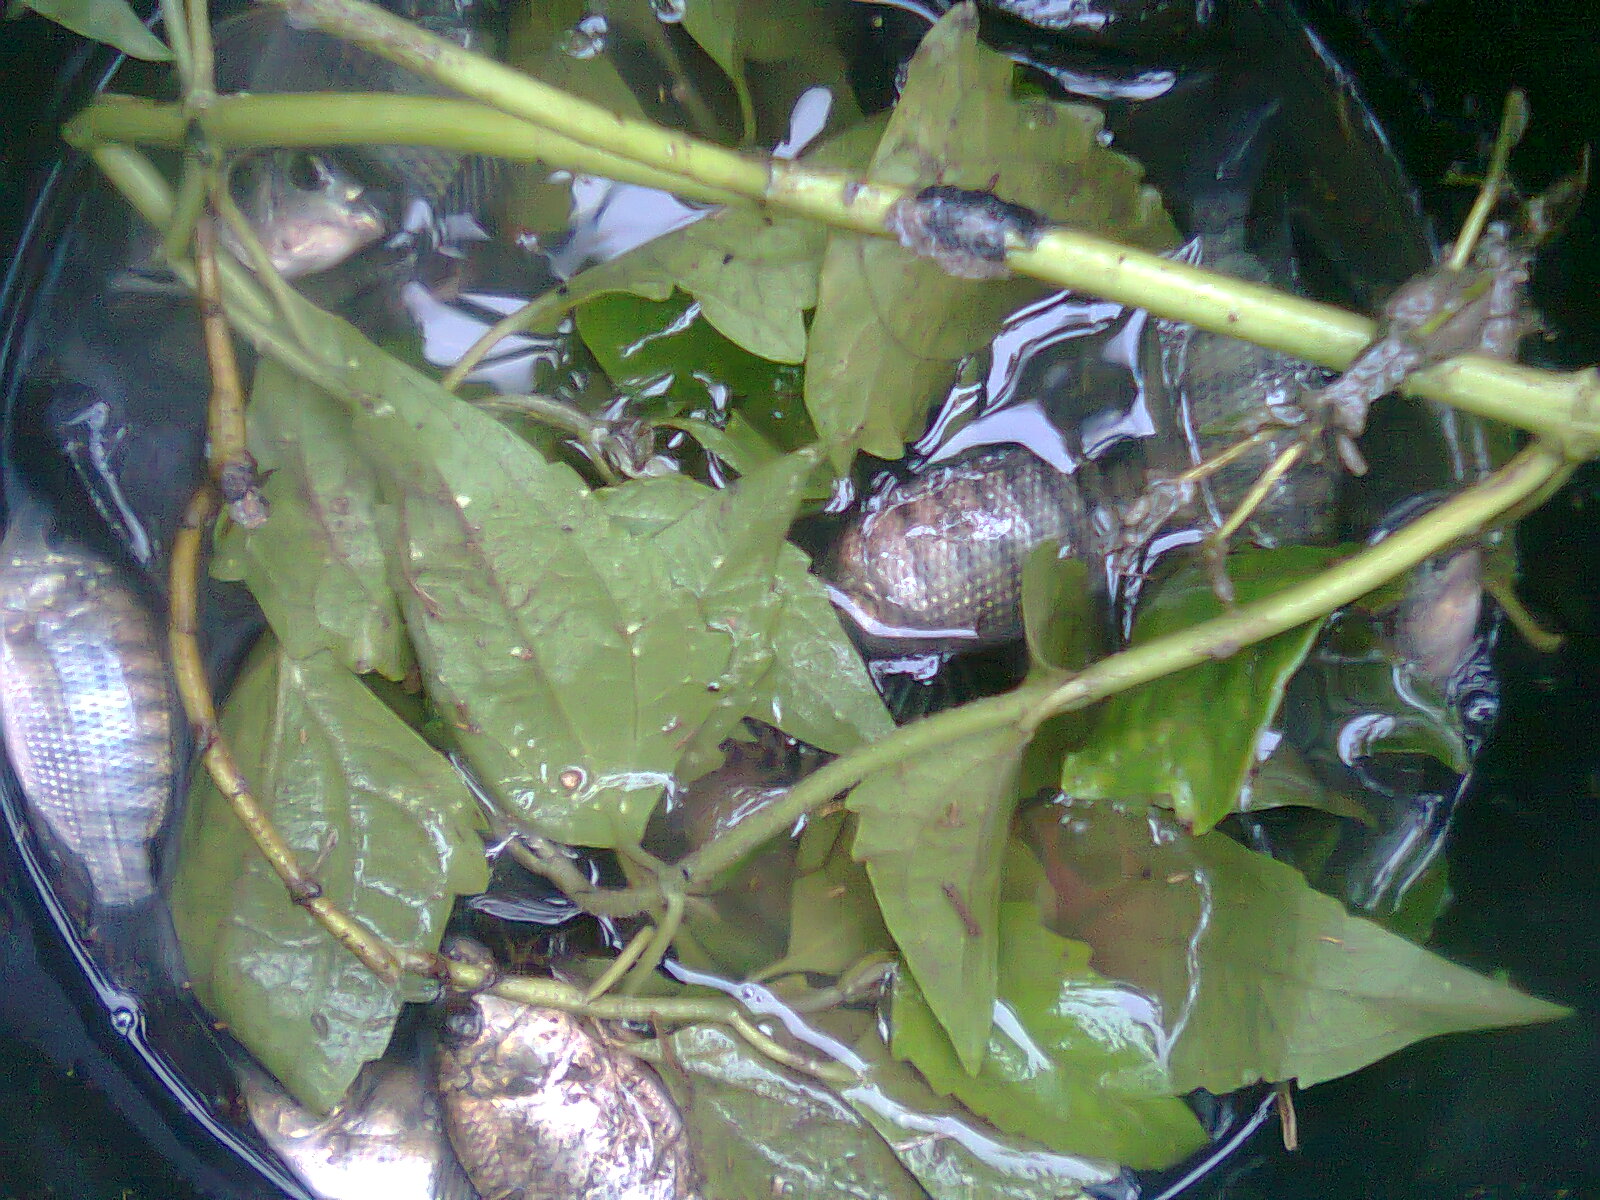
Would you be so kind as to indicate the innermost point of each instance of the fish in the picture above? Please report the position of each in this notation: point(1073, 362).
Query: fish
point(87, 707)
point(264, 51)
point(540, 1107)
point(1217, 387)
point(936, 562)
point(385, 1139)
point(309, 214)
point(1437, 623)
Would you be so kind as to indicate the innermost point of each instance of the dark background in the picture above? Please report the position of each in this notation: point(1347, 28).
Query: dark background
point(1509, 1115)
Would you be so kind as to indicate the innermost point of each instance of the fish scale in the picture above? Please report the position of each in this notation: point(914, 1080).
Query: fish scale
point(941, 556)
point(86, 706)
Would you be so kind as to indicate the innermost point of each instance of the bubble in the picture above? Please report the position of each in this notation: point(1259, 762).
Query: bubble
point(586, 39)
point(669, 12)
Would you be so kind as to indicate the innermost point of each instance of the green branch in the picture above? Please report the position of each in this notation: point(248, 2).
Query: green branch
point(538, 122)
point(1532, 473)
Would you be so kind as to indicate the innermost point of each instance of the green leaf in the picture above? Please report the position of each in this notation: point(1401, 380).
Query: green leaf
point(1058, 610)
point(317, 566)
point(1191, 738)
point(580, 661)
point(818, 689)
point(1077, 1063)
point(744, 1115)
point(950, 1153)
point(642, 343)
point(716, 26)
point(111, 21)
point(833, 918)
point(753, 275)
point(932, 833)
point(1258, 976)
point(547, 42)
point(392, 831)
point(889, 326)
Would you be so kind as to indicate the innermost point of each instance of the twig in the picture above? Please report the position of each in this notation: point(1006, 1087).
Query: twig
point(1513, 124)
point(189, 671)
point(261, 263)
point(554, 303)
point(1258, 493)
point(660, 942)
point(233, 467)
point(1564, 407)
point(620, 965)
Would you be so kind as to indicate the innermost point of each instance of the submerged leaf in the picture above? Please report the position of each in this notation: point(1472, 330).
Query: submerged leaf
point(317, 566)
point(952, 1155)
point(753, 275)
point(1074, 1062)
point(111, 21)
point(1257, 976)
point(716, 26)
point(1191, 739)
point(390, 827)
point(833, 918)
point(889, 326)
point(932, 833)
point(744, 1114)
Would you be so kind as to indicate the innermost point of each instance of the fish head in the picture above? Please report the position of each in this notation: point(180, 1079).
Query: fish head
point(496, 1049)
point(309, 214)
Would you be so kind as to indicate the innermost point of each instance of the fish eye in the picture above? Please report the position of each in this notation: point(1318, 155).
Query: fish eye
point(303, 171)
point(463, 1023)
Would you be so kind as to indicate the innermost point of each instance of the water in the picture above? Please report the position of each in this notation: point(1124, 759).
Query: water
point(1500, 915)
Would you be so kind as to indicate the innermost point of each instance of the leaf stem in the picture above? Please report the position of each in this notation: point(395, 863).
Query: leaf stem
point(1563, 407)
point(188, 670)
point(233, 467)
point(1513, 124)
point(1530, 472)
point(241, 122)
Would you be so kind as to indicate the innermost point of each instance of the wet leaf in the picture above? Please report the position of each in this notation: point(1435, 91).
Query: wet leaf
point(392, 831)
point(1190, 739)
point(833, 918)
point(818, 689)
point(1074, 1062)
point(644, 344)
point(717, 26)
point(889, 326)
point(317, 566)
point(582, 663)
point(758, 1130)
point(932, 833)
point(1285, 780)
point(1058, 610)
point(815, 686)
point(559, 43)
point(111, 21)
point(1258, 976)
point(951, 1154)
point(585, 650)
point(753, 275)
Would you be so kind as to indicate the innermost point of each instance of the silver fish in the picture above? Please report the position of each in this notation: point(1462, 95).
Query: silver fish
point(937, 562)
point(308, 214)
point(540, 1108)
point(86, 704)
point(386, 1138)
